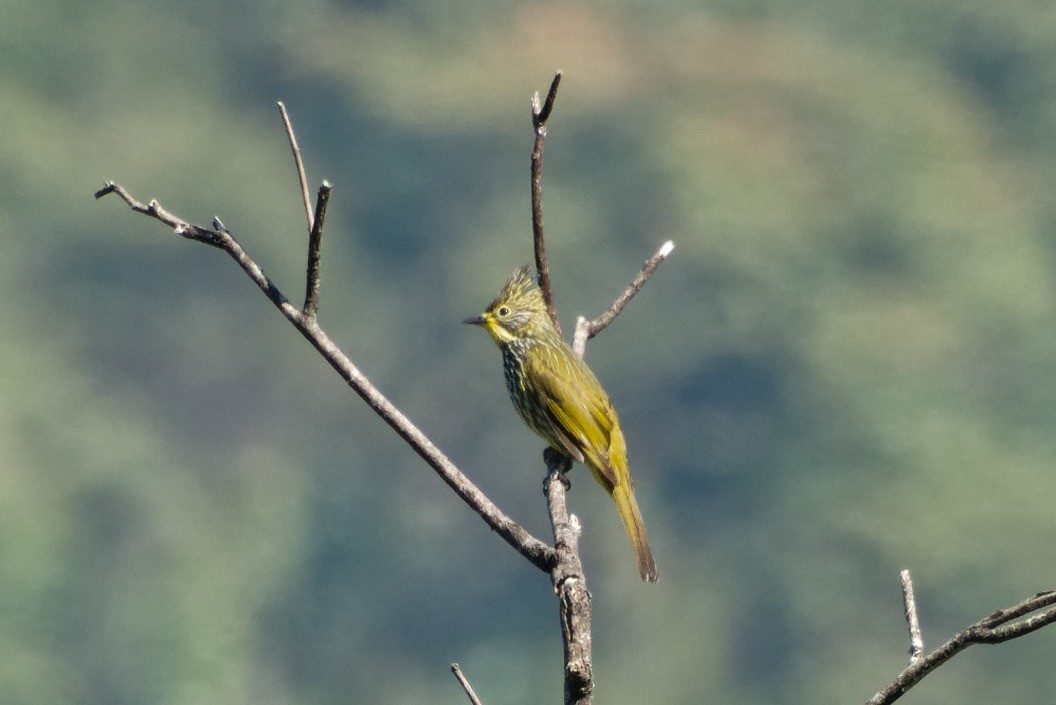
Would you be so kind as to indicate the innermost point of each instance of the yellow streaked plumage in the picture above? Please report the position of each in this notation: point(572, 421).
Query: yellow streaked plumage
point(561, 400)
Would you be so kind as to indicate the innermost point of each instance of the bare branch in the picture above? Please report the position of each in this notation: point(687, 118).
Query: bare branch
point(537, 552)
point(579, 336)
point(315, 241)
point(540, 115)
point(601, 322)
point(154, 210)
point(302, 177)
point(563, 561)
point(464, 682)
point(585, 330)
point(570, 584)
point(909, 603)
point(1040, 599)
point(991, 630)
point(315, 218)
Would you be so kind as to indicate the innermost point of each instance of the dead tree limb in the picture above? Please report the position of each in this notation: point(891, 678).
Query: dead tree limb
point(1013, 622)
point(569, 580)
point(540, 554)
point(562, 562)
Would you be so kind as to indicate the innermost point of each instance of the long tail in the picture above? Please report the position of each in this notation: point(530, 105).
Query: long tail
point(623, 495)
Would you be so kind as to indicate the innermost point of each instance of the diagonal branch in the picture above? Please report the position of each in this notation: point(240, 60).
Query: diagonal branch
point(585, 330)
point(540, 115)
point(466, 686)
point(537, 552)
point(998, 627)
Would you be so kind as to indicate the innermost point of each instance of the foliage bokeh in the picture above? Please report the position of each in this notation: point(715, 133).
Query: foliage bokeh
point(845, 369)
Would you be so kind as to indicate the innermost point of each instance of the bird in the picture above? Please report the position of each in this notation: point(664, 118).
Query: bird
point(561, 400)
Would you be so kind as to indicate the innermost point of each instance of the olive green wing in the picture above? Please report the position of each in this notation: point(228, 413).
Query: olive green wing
point(577, 409)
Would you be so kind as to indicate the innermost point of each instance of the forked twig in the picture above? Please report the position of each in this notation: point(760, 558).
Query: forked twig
point(998, 627)
point(537, 552)
point(541, 111)
point(562, 561)
point(585, 330)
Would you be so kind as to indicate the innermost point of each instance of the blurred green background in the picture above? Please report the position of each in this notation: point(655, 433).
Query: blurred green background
point(846, 368)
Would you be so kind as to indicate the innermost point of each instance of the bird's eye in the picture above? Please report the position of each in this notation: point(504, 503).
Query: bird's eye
point(504, 310)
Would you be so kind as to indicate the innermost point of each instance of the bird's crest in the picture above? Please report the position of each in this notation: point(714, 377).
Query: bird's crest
point(519, 292)
point(518, 312)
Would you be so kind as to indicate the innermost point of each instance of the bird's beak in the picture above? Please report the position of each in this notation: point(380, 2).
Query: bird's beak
point(475, 320)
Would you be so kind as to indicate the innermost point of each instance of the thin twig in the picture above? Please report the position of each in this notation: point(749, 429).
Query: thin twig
point(154, 210)
point(909, 603)
point(315, 241)
point(302, 177)
point(464, 682)
point(570, 584)
point(585, 330)
point(994, 629)
point(1029, 605)
point(540, 115)
point(537, 552)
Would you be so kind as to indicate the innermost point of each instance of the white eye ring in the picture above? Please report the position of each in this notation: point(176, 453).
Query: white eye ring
point(504, 311)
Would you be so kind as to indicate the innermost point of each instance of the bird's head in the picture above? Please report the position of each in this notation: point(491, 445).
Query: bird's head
point(517, 312)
